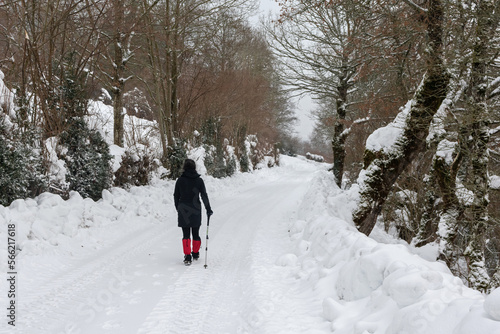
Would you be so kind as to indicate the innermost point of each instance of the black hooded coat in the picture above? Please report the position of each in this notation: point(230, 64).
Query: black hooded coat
point(188, 189)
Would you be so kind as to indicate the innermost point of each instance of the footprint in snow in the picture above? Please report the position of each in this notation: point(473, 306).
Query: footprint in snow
point(138, 273)
point(112, 310)
point(139, 291)
point(111, 324)
point(133, 301)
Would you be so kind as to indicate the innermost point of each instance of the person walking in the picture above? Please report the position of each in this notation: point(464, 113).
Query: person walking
point(188, 189)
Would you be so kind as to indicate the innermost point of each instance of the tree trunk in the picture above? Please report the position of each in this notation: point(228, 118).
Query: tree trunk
point(160, 77)
point(338, 141)
point(167, 91)
point(175, 69)
point(478, 132)
point(446, 174)
point(427, 229)
point(381, 169)
point(118, 73)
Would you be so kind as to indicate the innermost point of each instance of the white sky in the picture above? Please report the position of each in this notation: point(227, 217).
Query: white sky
point(304, 105)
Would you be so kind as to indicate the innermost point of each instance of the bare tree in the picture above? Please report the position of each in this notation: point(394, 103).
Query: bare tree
point(124, 21)
point(49, 39)
point(171, 28)
point(325, 46)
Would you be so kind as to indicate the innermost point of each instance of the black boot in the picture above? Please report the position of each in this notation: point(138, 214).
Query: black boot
point(187, 259)
point(196, 256)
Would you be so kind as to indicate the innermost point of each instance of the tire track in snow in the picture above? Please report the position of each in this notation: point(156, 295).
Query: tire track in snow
point(47, 310)
point(200, 296)
point(213, 300)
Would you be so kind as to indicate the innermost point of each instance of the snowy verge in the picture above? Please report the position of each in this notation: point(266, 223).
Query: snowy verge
point(50, 226)
point(371, 287)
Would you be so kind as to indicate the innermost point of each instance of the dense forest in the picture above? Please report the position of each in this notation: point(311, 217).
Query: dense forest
point(407, 92)
point(196, 68)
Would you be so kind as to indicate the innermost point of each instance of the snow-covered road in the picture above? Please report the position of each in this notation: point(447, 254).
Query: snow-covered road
point(138, 284)
point(284, 257)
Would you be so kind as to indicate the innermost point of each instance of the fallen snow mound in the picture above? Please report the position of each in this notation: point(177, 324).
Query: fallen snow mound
point(371, 287)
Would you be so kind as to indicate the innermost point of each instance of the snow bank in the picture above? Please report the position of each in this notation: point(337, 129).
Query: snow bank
point(48, 225)
point(371, 287)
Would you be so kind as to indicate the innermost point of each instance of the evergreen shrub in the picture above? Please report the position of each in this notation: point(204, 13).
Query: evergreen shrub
point(21, 166)
point(87, 159)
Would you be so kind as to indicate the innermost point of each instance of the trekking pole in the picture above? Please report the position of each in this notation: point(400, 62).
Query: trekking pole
point(206, 244)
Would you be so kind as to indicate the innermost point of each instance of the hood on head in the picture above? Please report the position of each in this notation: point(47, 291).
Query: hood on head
point(191, 173)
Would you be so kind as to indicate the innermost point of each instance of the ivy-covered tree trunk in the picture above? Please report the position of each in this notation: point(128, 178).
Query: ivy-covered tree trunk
point(427, 229)
point(478, 137)
point(338, 141)
point(241, 148)
point(445, 171)
point(383, 167)
point(463, 228)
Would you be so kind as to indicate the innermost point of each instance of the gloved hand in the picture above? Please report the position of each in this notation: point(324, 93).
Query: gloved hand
point(209, 212)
